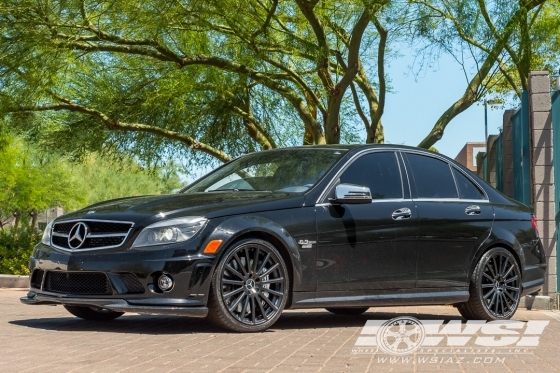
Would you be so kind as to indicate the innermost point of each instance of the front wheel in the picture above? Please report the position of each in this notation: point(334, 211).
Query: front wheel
point(495, 287)
point(93, 313)
point(249, 287)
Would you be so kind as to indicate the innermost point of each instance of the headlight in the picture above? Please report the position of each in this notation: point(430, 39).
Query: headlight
point(169, 231)
point(46, 240)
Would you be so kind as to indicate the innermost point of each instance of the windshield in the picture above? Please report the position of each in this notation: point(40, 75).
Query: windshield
point(291, 171)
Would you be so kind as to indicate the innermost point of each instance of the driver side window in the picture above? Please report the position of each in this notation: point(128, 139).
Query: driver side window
point(377, 171)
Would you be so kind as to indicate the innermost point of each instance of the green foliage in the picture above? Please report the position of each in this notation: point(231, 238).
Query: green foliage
point(101, 179)
point(206, 81)
point(31, 181)
point(182, 79)
point(16, 246)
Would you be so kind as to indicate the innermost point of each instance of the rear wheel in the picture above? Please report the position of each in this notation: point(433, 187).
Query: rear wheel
point(249, 287)
point(495, 287)
point(93, 313)
point(351, 311)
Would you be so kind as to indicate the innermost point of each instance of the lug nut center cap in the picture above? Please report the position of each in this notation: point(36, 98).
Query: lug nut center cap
point(250, 284)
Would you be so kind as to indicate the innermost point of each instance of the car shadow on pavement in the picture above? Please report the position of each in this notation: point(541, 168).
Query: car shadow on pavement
point(156, 325)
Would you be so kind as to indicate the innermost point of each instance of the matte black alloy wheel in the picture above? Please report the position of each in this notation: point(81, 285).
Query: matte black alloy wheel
point(501, 285)
point(250, 287)
point(495, 287)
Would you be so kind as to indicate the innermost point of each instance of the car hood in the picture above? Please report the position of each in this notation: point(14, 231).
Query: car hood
point(210, 205)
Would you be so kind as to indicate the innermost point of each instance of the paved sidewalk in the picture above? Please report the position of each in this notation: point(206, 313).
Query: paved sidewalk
point(48, 339)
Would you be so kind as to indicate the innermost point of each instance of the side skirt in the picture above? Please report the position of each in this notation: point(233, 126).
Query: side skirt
point(363, 298)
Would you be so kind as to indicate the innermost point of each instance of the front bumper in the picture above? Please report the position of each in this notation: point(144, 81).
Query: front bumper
point(188, 296)
point(113, 304)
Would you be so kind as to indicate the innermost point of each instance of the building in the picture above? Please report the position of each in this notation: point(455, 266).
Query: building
point(467, 155)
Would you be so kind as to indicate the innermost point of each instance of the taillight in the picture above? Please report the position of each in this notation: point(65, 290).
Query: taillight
point(534, 223)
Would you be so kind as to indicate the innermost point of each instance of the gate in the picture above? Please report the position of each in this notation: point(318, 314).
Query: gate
point(521, 152)
point(556, 162)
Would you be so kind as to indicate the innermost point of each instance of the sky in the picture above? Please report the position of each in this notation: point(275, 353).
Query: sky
point(416, 103)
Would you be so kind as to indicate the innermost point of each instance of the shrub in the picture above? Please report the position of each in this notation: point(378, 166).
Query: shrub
point(16, 246)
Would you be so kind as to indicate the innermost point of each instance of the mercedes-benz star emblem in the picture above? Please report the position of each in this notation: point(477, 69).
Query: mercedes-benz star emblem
point(77, 235)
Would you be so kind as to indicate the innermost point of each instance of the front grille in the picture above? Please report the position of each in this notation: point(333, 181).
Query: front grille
point(37, 278)
point(100, 234)
point(88, 283)
point(132, 284)
point(99, 227)
point(63, 227)
point(60, 241)
point(103, 241)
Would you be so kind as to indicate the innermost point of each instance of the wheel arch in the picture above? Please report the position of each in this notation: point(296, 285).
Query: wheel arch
point(503, 239)
point(260, 228)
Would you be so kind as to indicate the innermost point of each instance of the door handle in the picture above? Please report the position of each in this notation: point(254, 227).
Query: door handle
point(401, 214)
point(473, 210)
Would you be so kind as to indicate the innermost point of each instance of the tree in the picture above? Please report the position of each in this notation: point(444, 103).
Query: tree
point(208, 75)
point(102, 180)
point(30, 182)
point(211, 80)
point(497, 37)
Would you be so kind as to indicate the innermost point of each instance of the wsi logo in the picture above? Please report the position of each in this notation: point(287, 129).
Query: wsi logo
point(405, 335)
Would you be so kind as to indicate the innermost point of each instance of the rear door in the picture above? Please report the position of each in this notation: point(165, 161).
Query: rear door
point(455, 218)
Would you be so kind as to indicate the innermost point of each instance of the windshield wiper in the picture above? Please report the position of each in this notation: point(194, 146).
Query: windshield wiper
point(236, 190)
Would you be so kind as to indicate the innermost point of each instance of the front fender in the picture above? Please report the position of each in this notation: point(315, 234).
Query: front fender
point(231, 229)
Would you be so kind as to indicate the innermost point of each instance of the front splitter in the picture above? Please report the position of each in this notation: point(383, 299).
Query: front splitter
point(118, 305)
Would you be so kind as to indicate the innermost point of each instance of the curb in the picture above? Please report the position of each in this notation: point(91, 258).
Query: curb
point(14, 281)
point(539, 302)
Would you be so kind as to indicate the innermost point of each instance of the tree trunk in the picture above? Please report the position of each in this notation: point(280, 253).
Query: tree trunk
point(17, 215)
point(34, 216)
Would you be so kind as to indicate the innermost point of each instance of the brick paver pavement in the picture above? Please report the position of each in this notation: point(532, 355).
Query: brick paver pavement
point(48, 339)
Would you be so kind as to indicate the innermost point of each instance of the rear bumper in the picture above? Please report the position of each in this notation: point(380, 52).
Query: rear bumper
point(118, 305)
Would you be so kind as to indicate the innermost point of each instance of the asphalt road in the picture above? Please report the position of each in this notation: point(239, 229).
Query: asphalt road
point(48, 339)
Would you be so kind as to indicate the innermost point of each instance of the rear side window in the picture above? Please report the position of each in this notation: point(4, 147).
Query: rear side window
point(432, 177)
point(377, 171)
point(467, 190)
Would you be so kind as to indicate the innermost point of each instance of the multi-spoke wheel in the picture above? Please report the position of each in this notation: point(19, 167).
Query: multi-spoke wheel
point(249, 287)
point(495, 287)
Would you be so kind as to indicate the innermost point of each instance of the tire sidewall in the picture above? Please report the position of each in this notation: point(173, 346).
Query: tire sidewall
point(217, 292)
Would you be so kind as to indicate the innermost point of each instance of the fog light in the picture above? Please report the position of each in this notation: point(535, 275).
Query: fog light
point(165, 282)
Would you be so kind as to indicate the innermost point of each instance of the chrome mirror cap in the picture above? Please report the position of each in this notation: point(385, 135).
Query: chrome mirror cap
point(351, 194)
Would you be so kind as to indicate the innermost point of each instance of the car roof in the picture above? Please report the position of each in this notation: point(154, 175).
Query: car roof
point(355, 146)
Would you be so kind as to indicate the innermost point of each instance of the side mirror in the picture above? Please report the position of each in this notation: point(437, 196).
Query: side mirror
point(351, 194)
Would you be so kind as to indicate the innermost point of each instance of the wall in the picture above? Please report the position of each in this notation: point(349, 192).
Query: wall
point(542, 170)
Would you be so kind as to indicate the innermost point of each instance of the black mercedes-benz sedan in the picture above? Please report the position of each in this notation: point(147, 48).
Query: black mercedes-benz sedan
point(341, 227)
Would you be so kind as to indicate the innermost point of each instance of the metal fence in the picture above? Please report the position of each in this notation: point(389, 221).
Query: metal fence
point(556, 161)
point(521, 156)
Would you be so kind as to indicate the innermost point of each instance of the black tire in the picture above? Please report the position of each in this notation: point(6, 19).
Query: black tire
point(93, 313)
point(262, 285)
point(464, 311)
point(350, 311)
point(495, 287)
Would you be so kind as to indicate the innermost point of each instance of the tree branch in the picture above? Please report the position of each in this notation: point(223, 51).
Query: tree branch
point(115, 125)
point(380, 71)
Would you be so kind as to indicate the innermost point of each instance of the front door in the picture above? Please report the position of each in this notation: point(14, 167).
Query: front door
point(368, 246)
